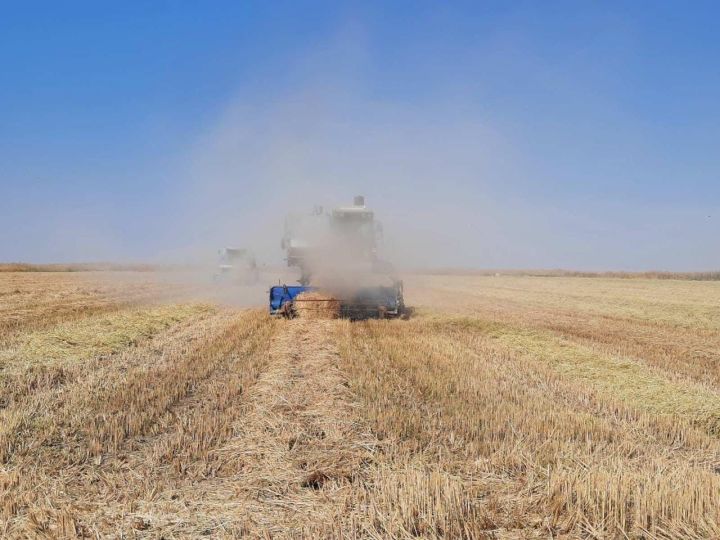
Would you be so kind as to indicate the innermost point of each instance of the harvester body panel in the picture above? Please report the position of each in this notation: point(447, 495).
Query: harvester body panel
point(363, 303)
point(283, 295)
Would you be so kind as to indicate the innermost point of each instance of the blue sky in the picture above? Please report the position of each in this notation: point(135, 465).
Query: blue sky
point(493, 134)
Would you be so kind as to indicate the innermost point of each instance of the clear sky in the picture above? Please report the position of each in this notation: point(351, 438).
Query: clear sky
point(488, 134)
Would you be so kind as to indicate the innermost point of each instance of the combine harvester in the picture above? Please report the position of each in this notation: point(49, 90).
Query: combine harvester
point(336, 253)
point(236, 265)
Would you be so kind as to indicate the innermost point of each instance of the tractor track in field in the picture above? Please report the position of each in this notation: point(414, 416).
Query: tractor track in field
point(300, 447)
point(261, 440)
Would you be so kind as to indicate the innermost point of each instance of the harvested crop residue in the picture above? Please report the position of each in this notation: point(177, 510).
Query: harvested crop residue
point(300, 446)
point(317, 305)
point(504, 408)
point(101, 335)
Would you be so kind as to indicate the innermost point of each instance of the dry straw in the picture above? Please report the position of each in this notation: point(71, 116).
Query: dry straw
point(557, 408)
point(102, 335)
point(317, 305)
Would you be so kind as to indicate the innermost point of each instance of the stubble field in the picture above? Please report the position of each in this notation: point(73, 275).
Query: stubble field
point(504, 407)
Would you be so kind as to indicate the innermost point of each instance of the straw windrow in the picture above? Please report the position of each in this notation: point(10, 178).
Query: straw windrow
point(317, 305)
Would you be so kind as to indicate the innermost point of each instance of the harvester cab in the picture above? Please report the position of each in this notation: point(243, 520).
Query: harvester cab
point(336, 251)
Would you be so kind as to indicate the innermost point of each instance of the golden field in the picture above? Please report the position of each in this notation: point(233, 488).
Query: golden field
point(135, 406)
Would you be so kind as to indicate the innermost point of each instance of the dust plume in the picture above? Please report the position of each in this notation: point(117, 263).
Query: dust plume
point(321, 140)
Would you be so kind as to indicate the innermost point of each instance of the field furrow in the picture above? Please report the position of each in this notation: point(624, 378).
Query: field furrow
point(503, 424)
point(39, 300)
point(299, 447)
point(142, 392)
point(673, 344)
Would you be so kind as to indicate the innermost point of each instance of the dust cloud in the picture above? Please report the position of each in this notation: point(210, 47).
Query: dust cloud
point(428, 175)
